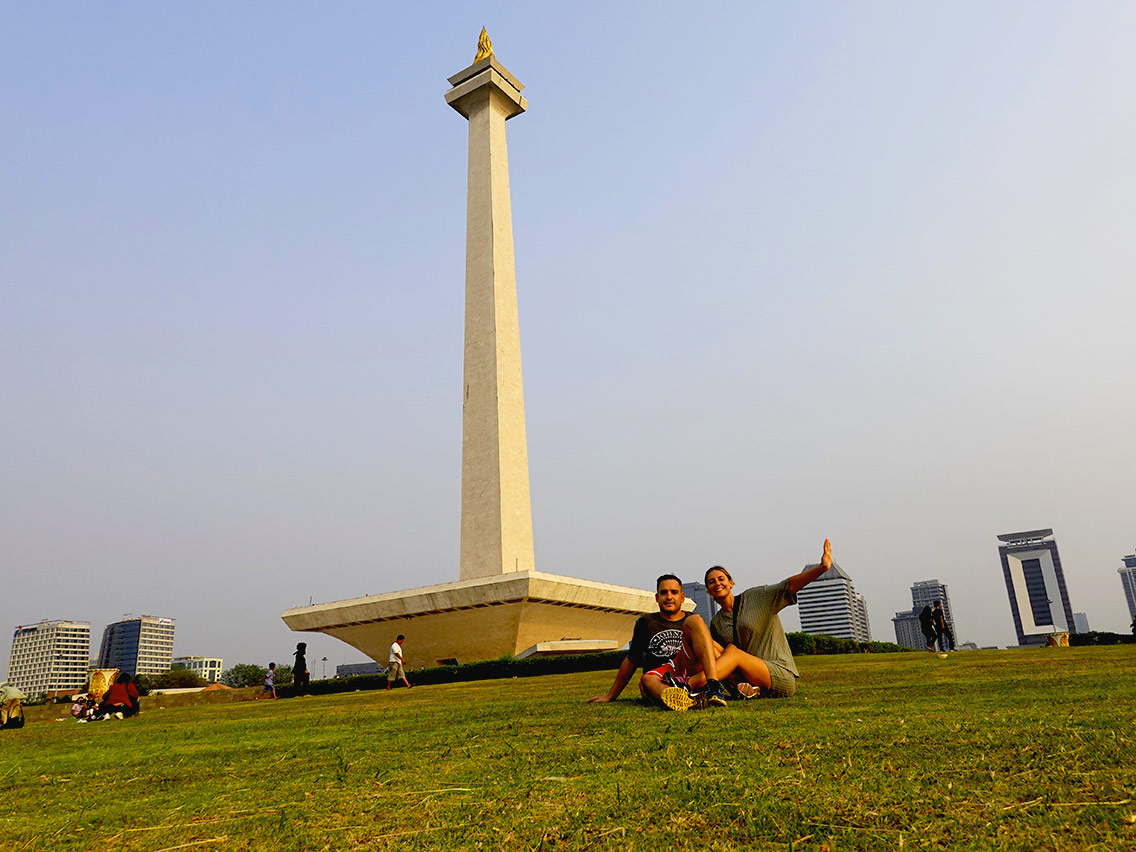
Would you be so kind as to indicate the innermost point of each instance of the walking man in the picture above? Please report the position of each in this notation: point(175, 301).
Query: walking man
point(269, 690)
point(942, 628)
point(927, 625)
point(395, 670)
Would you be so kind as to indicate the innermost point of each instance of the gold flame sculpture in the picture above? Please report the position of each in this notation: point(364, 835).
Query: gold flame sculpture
point(100, 682)
point(484, 46)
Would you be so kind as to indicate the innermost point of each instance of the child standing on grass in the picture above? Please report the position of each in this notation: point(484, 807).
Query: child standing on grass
point(269, 683)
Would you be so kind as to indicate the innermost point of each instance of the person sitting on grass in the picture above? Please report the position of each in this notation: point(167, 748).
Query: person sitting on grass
point(269, 690)
point(133, 695)
point(11, 700)
point(748, 629)
point(116, 702)
point(675, 651)
point(84, 708)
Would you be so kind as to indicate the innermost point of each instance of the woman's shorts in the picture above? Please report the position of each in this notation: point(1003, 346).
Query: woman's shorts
point(784, 682)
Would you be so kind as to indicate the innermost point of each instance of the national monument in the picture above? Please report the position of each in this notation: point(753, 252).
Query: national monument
point(501, 605)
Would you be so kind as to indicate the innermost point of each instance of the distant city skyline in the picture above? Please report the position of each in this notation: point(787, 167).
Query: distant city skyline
point(876, 290)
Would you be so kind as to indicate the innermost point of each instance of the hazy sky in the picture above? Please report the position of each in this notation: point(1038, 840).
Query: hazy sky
point(785, 271)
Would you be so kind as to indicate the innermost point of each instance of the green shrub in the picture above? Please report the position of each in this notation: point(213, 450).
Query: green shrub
point(801, 643)
point(244, 674)
point(806, 644)
point(503, 667)
point(834, 645)
point(1094, 637)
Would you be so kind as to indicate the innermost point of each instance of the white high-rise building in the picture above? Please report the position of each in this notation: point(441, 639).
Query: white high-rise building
point(141, 645)
point(49, 656)
point(209, 668)
point(861, 611)
point(925, 593)
point(1128, 580)
point(830, 605)
point(1035, 584)
point(908, 633)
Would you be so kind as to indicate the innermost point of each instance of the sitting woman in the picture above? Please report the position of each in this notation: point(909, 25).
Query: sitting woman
point(748, 625)
point(117, 699)
point(11, 702)
point(132, 694)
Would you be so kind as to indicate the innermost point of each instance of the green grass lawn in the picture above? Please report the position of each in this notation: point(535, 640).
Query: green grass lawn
point(1017, 750)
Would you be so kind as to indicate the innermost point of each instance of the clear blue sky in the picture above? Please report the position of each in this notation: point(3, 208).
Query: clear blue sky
point(862, 271)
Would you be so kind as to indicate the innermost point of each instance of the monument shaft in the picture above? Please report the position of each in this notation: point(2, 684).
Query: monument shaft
point(496, 514)
point(501, 604)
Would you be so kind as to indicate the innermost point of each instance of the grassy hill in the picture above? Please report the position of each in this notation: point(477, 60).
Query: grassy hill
point(1029, 749)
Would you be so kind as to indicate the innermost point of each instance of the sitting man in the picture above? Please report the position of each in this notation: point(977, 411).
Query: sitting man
point(675, 651)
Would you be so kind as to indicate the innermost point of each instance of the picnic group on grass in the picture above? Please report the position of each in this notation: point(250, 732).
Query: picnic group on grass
point(689, 664)
point(121, 701)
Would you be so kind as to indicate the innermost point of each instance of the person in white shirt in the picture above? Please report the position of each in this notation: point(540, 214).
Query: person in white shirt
point(395, 670)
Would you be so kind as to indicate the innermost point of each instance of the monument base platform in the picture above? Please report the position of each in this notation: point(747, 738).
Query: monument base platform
point(479, 619)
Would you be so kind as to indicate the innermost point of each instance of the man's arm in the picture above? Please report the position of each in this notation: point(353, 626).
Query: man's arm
point(798, 582)
point(622, 677)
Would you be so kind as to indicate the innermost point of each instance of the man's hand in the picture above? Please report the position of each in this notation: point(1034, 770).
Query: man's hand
point(826, 557)
point(599, 699)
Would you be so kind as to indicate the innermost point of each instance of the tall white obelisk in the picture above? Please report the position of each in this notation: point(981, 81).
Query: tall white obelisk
point(501, 604)
point(496, 512)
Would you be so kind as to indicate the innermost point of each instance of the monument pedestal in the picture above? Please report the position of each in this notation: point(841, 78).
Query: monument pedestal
point(479, 619)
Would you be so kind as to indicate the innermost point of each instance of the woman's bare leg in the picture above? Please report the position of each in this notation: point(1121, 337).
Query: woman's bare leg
point(737, 662)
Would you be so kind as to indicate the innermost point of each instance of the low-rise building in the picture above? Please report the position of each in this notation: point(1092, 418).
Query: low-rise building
point(355, 669)
point(209, 668)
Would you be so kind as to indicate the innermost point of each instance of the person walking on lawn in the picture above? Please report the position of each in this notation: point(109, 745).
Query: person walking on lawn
point(395, 670)
point(269, 690)
point(942, 628)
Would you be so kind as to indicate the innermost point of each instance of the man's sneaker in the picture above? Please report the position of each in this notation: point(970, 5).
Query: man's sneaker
point(748, 690)
point(715, 695)
point(676, 698)
point(118, 716)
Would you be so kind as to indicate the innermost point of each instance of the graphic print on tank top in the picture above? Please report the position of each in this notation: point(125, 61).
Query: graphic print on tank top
point(665, 644)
